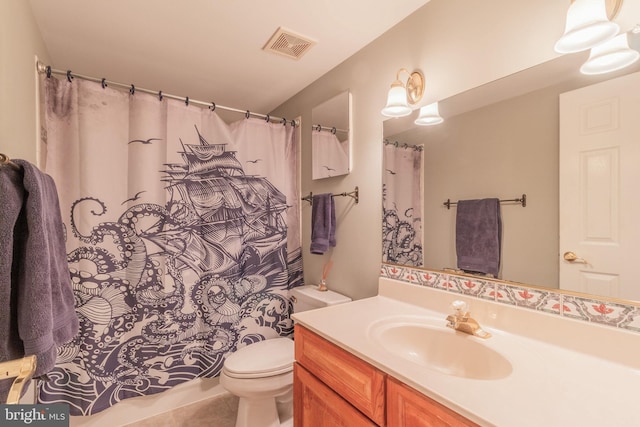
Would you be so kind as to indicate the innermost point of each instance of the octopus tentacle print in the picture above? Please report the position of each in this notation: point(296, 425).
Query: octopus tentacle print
point(164, 293)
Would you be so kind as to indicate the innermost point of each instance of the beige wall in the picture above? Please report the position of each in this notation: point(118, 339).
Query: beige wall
point(458, 45)
point(20, 43)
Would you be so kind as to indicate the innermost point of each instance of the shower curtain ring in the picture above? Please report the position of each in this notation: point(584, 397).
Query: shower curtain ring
point(213, 106)
point(160, 95)
point(69, 76)
point(186, 101)
point(267, 118)
point(247, 114)
point(132, 91)
point(48, 70)
point(293, 123)
point(104, 83)
point(284, 121)
point(333, 130)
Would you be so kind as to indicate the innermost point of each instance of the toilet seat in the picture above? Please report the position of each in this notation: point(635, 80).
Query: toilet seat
point(263, 359)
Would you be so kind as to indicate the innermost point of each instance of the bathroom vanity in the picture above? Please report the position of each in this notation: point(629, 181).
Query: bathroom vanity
point(334, 385)
point(390, 360)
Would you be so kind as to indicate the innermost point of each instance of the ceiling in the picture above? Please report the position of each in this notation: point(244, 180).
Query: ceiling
point(210, 50)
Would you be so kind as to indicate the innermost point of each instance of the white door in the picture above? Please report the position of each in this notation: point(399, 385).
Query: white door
point(600, 188)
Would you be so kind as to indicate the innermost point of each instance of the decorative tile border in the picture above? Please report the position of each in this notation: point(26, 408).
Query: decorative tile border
point(578, 307)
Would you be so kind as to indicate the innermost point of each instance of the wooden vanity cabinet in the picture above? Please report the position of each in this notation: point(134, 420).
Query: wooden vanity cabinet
point(408, 407)
point(332, 387)
point(316, 405)
point(359, 383)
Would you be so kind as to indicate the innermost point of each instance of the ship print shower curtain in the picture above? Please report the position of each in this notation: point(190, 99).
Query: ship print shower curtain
point(183, 237)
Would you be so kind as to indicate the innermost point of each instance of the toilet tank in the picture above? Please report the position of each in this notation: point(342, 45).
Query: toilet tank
point(309, 297)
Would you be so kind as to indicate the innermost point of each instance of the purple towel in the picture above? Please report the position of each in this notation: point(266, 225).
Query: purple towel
point(478, 236)
point(11, 197)
point(323, 223)
point(42, 303)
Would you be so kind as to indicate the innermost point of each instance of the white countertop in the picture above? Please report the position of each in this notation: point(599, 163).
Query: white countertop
point(549, 385)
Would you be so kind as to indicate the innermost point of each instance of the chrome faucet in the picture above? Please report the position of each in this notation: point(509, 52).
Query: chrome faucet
point(461, 321)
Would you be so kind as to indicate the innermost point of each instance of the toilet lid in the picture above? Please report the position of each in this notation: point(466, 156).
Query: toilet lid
point(262, 359)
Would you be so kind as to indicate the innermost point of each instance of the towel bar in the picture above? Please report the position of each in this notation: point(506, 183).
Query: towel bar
point(20, 369)
point(5, 160)
point(355, 195)
point(522, 200)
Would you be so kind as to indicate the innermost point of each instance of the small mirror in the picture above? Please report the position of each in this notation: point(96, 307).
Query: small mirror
point(331, 137)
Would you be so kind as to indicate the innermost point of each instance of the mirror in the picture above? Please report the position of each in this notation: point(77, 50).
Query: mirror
point(499, 140)
point(331, 137)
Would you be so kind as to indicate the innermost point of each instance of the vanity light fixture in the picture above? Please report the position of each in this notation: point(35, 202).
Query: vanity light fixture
point(429, 115)
point(609, 56)
point(588, 24)
point(401, 95)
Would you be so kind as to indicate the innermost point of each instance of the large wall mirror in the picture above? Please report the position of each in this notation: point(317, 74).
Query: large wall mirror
point(331, 137)
point(502, 140)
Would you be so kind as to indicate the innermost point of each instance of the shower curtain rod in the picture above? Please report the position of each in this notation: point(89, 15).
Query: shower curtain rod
point(46, 69)
point(333, 130)
point(405, 145)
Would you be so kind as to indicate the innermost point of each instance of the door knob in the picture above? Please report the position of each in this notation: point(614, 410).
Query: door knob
point(572, 257)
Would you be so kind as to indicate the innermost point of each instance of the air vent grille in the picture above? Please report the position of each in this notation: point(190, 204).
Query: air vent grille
point(287, 43)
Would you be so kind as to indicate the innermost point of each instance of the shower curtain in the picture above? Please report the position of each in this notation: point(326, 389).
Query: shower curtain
point(328, 154)
point(183, 237)
point(402, 196)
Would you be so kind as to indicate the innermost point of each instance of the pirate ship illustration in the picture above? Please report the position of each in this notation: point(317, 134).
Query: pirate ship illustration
point(227, 218)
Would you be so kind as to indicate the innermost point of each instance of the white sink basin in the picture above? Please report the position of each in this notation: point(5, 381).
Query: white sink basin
point(423, 342)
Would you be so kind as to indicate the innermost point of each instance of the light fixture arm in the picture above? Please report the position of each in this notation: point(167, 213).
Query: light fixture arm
point(401, 95)
point(398, 74)
point(414, 85)
point(612, 6)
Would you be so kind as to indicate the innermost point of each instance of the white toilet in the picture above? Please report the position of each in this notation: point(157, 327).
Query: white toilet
point(261, 374)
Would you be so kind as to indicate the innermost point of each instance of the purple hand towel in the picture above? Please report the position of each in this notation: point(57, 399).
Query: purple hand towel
point(478, 236)
point(323, 220)
point(43, 313)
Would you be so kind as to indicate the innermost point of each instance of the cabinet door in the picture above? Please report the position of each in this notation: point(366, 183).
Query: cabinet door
point(316, 405)
point(407, 407)
point(358, 382)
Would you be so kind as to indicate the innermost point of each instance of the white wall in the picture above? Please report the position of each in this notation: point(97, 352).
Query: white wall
point(458, 45)
point(20, 43)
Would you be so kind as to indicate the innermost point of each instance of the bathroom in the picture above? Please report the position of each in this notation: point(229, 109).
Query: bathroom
point(426, 40)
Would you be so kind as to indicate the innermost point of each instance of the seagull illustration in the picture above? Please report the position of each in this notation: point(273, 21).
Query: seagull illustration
point(134, 198)
point(145, 141)
point(328, 168)
point(391, 172)
point(254, 161)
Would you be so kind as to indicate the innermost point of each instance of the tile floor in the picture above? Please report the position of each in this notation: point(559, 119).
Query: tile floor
point(219, 411)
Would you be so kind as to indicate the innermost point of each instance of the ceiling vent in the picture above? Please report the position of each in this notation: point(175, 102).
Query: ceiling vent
point(287, 43)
